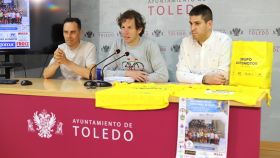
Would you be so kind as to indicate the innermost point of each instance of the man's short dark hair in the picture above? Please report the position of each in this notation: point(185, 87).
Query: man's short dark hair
point(132, 14)
point(203, 10)
point(76, 20)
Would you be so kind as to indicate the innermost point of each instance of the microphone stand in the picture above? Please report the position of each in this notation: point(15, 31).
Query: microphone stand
point(90, 72)
point(102, 83)
point(102, 72)
point(97, 83)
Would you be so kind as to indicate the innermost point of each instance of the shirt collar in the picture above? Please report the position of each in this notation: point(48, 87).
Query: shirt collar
point(207, 42)
point(77, 48)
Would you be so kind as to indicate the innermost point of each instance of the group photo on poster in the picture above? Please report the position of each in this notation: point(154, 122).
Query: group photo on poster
point(202, 128)
point(14, 24)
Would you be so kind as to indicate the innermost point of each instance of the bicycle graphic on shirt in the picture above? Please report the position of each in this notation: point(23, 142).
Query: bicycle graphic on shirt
point(133, 65)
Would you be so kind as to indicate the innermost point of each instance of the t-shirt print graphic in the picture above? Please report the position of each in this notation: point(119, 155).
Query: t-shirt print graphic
point(132, 64)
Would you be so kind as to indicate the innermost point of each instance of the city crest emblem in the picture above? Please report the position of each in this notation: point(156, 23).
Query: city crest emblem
point(277, 31)
point(45, 123)
point(157, 33)
point(236, 32)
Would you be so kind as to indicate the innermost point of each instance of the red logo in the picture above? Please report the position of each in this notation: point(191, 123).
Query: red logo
point(23, 33)
point(22, 44)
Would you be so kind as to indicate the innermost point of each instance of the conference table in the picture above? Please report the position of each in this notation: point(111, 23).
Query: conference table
point(58, 118)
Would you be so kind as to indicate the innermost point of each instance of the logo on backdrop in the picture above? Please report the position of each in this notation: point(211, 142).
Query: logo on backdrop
point(170, 8)
point(157, 33)
point(45, 124)
point(236, 32)
point(175, 48)
point(258, 32)
point(177, 33)
point(277, 31)
point(106, 34)
point(105, 48)
point(89, 34)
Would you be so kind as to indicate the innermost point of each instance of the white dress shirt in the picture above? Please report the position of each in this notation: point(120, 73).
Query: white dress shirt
point(195, 60)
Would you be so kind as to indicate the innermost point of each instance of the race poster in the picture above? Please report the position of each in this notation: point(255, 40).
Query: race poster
point(14, 24)
point(202, 128)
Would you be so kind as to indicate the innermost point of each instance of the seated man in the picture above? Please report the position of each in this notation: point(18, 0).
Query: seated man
point(74, 57)
point(205, 56)
point(145, 62)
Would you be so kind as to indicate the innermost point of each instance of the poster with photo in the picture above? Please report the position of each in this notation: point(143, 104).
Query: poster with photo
point(202, 128)
point(14, 24)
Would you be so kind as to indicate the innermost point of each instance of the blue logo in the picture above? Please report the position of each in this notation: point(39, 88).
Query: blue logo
point(7, 44)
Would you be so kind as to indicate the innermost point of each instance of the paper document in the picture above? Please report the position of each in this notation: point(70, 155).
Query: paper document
point(119, 79)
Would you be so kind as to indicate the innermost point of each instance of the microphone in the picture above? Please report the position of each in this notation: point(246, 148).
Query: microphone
point(102, 74)
point(90, 72)
point(90, 84)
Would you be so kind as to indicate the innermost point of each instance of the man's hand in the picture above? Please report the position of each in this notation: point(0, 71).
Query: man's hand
point(60, 57)
point(214, 79)
point(139, 76)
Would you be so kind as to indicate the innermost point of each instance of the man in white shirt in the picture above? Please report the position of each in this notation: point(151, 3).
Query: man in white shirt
point(205, 56)
point(75, 57)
